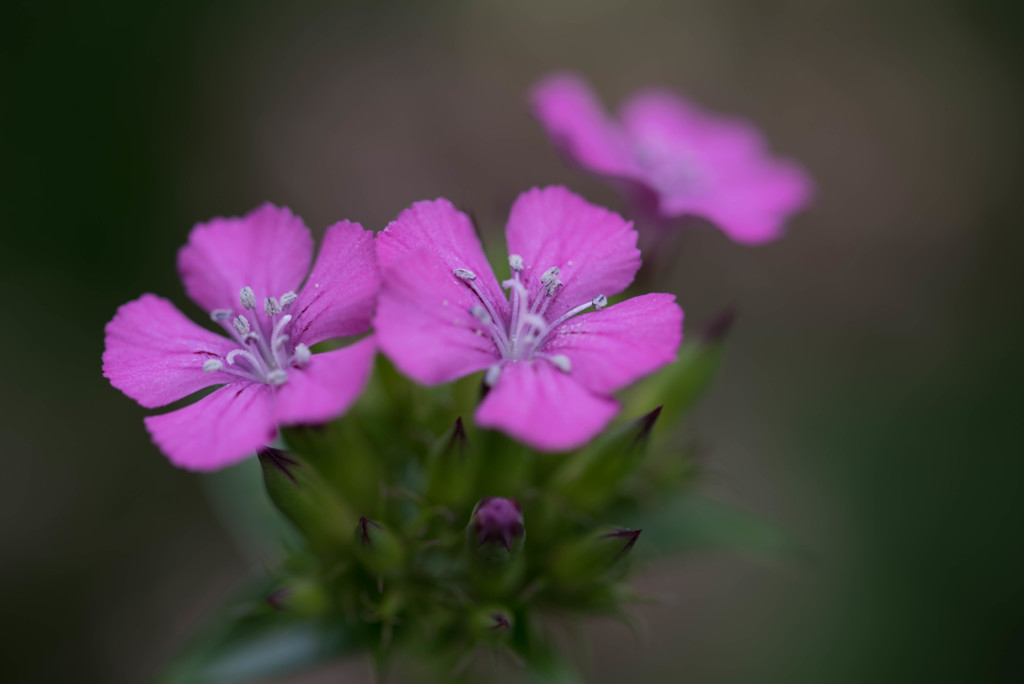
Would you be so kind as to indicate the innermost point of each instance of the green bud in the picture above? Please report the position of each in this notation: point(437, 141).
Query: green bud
point(591, 477)
point(377, 548)
point(303, 496)
point(592, 556)
point(495, 533)
point(448, 473)
point(300, 597)
point(491, 623)
point(679, 385)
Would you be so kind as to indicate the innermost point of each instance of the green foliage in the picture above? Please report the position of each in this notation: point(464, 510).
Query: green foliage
point(390, 559)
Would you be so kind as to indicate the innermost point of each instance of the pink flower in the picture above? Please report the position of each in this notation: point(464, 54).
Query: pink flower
point(550, 366)
point(674, 159)
point(246, 272)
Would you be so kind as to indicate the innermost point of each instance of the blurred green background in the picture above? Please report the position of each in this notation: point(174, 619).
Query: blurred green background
point(869, 404)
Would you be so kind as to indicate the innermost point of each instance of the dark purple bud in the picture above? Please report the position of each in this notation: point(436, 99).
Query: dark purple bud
point(496, 528)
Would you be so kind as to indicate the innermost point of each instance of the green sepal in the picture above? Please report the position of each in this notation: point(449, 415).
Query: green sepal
point(680, 384)
point(590, 557)
point(306, 499)
point(593, 475)
point(449, 475)
point(378, 549)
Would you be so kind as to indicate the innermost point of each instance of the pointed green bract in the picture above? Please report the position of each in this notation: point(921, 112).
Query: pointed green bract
point(590, 478)
point(305, 498)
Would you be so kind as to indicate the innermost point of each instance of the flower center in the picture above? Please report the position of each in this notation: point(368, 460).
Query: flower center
point(265, 350)
point(670, 169)
point(528, 329)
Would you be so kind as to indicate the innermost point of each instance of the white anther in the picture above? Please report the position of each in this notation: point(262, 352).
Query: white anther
point(491, 376)
point(220, 315)
point(251, 337)
point(277, 377)
point(561, 362)
point(271, 306)
point(465, 274)
point(515, 262)
point(241, 324)
point(600, 301)
point(481, 314)
point(212, 365)
point(287, 298)
point(247, 297)
point(550, 280)
point(302, 354)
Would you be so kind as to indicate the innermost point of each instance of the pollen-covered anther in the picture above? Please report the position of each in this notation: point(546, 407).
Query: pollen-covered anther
point(277, 377)
point(491, 376)
point(600, 301)
point(550, 280)
point(272, 306)
point(464, 274)
point(220, 315)
point(287, 298)
point(302, 354)
point(561, 362)
point(241, 324)
point(515, 262)
point(212, 365)
point(247, 297)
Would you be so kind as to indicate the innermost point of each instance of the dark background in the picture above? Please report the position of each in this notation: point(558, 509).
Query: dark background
point(870, 402)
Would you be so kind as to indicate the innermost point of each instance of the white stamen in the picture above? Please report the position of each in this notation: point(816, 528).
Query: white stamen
point(302, 354)
point(465, 274)
point(220, 315)
point(212, 365)
point(271, 306)
point(600, 301)
point(247, 297)
point(481, 314)
point(277, 377)
point(248, 356)
point(251, 337)
point(287, 298)
point(559, 361)
point(491, 376)
point(515, 262)
point(241, 324)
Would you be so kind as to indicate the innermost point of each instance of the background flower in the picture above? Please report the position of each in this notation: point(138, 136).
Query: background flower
point(675, 159)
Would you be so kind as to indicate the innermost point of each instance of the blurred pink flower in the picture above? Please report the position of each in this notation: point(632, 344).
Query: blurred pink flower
point(673, 159)
point(245, 272)
point(550, 367)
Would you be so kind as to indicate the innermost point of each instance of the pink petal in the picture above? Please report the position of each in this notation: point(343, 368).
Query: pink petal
point(217, 430)
point(736, 182)
point(579, 127)
point(594, 248)
point(544, 408)
point(758, 203)
point(661, 117)
point(444, 231)
point(339, 296)
point(611, 348)
point(269, 249)
point(325, 388)
point(155, 355)
point(423, 322)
